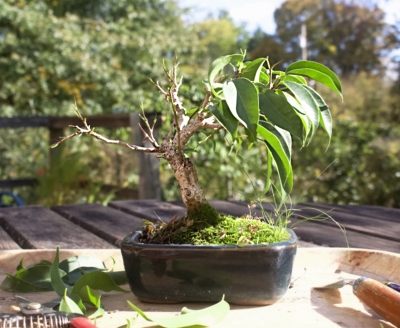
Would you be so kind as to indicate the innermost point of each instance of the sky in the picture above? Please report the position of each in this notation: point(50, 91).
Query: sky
point(260, 13)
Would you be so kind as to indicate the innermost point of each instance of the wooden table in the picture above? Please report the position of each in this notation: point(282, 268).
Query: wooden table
point(91, 226)
point(33, 233)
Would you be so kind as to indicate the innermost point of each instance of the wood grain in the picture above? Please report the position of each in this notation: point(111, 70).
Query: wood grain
point(105, 222)
point(38, 227)
point(151, 210)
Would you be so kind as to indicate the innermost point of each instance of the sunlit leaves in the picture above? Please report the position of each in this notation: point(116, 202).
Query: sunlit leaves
point(217, 66)
point(278, 110)
point(279, 145)
point(242, 98)
point(207, 317)
point(253, 70)
point(317, 72)
point(224, 116)
point(307, 102)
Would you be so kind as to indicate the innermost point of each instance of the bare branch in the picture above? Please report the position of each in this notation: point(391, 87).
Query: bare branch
point(87, 130)
point(206, 99)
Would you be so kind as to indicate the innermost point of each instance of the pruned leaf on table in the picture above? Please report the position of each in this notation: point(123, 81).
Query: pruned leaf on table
point(97, 280)
point(81, 262)
point(87, 274)
point(56, 280)
point(188, 318)
point(12, 284)
point(68, 305)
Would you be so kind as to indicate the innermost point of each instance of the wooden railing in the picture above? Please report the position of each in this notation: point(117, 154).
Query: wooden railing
point(149, 179)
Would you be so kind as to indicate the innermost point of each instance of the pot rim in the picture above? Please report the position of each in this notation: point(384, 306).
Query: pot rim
point(131, 241)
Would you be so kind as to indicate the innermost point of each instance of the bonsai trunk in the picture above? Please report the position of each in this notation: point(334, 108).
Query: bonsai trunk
point(198, 208)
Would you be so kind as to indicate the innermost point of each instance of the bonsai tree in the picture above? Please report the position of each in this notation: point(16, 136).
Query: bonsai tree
point(249, 100)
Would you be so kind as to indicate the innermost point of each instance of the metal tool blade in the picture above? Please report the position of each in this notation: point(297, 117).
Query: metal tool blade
point(337, 284)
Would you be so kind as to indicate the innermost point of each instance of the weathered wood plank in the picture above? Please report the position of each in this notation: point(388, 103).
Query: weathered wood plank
point(149, 209)
point(353, 222)
point(6, 242)
point(24, 122)
point(323, 233)
point(375, 212)
point(38, 227)
point(108, 223)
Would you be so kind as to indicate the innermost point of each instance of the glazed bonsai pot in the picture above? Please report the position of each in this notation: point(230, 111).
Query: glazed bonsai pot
point(250, 275)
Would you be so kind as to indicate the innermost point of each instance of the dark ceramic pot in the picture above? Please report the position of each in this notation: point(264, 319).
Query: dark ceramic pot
point(250, 275)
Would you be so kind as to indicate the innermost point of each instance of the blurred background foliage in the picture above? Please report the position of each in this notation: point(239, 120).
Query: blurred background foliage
point(101, 53)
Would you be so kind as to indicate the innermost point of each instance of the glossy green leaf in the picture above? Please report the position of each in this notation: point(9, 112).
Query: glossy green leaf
point(242, 98)
point(79, 262)
point(325, 118)
point(225, 117)
point(13, 284)
point(218, 65)
point(279, 148)
point(38, 275)
point(308, 104)
point(68, 305)
point(56, 279)
point(119, 277)
point(207, 317)
point(269, 171)
point(264, 77)
point(253, 70)
point(297, 107)
point(97, 280)
point(277, 109)
point(191, 111)
point(296, 79)
point(90, 296)
point(20, 264)
point(78, 302)
point(317, 72)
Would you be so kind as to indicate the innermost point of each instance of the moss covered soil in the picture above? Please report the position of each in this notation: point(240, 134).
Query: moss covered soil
point(208, 227)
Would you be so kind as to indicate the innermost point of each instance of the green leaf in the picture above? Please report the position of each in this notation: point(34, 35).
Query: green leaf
point(38, 275)
point(68, 305)
point(90, 296)
point(307, 102)
point(20, 264)
point(56, 279)
point(225, 117)
point(78, 302)
point(209, 316)
point(317, 72)
point(277, 144)
point(77, 266)
point(242, 98)
point(97, 280)
point(264, 77)
point(13, 284)
point(296, 79)
point(277, 109)
point(253, 69)
point(269, 171)
point(80, 262)
point(119, 277)
point(325, 118)
point(191, 111)
point(218, 65)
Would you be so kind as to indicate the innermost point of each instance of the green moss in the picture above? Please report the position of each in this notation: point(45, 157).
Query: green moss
point(218, 230)
point(237, 232)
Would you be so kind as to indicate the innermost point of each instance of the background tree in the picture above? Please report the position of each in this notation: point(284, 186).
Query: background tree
point(348, 36)
point(99, 53)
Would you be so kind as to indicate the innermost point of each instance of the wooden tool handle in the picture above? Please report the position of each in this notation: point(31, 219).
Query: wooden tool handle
point(380, 298)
